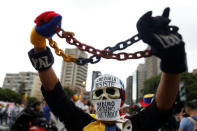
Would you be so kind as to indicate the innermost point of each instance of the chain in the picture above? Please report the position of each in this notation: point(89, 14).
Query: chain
point(60, 52)
point(120, 46)
point(107, 52)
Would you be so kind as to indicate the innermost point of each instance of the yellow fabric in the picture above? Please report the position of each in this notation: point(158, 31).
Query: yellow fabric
point(95, 126)
point(105, 122)
point(93, 116)
point(148, 95)
point(37, 40)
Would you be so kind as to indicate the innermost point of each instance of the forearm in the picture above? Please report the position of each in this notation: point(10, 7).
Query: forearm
point(167, 91)
point(47, 77)
point(73, 117)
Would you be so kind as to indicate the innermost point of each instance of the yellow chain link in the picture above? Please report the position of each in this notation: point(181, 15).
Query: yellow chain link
point(60, 52)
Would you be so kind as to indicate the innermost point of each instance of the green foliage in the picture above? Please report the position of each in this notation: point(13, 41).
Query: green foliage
point(190, 84)
point(31, 100)
point(69, 92)
point(10, 96)
point(189, 80)
point(150, 85)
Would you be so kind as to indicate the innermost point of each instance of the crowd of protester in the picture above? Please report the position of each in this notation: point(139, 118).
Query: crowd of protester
point(17, 117)
point(183, 119)
point(8, 113)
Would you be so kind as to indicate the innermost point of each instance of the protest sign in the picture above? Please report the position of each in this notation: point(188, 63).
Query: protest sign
point(107, 110)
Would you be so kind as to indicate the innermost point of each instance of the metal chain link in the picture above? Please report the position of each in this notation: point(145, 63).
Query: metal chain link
point(60, 52)
point(120, 46)
point(107, 52)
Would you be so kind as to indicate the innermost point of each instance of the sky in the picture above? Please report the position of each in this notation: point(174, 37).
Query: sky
point(99, 23)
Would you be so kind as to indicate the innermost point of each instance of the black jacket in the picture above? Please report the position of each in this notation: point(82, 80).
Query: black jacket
point(29, 114)
point(76, 119)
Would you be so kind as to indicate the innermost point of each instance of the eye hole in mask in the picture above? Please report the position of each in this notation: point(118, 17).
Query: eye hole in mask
point(98, 93)
point(110, 91)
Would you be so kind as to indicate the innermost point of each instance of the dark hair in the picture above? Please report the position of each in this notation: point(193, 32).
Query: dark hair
point(191, 104)
point(36, 103)
point(89, 103)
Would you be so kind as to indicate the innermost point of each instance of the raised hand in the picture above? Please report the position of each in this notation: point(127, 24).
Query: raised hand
point(164, 40)
point(46, 26)
point(47, 23)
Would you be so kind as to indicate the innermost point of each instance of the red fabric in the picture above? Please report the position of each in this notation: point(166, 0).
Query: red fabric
point(122, 103)
point(144, 104)
point(36, 128)
point(123, 114)
point(123, 93)
point(123, 97)
point(45, 17)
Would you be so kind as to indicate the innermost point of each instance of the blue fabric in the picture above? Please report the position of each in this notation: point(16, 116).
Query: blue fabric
point(147, 100)
point(186, 124)
point(46, 112)
point(110, 127)
point(49, 29)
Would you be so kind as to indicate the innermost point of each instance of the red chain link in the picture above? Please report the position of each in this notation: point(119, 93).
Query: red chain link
point(102, 53)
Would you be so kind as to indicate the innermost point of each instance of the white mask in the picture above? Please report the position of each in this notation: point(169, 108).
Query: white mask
point(106, 97)
point(107, 110)
point(106, 93)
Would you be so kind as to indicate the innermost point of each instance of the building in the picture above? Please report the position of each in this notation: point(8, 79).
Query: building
point(95, 74)
point(129, 91)
point(141, 76)
point(150, 68)
point(152, 65)
point(21, 82)
point(73, 75)
point(12, 81)
point(194, 71)
point(134, 86)
point(36, 89)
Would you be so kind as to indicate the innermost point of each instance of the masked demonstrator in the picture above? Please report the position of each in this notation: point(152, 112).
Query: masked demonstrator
point(108, 95)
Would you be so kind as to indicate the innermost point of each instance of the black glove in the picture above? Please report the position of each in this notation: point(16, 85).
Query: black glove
point(164, 40)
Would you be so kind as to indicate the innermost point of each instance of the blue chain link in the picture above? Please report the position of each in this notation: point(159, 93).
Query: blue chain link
point(120, 46)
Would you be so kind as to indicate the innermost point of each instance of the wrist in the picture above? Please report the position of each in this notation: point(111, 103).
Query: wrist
point(37, 49)
point(41, 58)
point(37, 40)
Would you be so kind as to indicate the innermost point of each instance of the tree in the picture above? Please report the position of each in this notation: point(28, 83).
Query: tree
point(151, 84)
point(69, 92)
point(189, 80)
point(10, 96)
point(190, 84)
point(31, 100)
